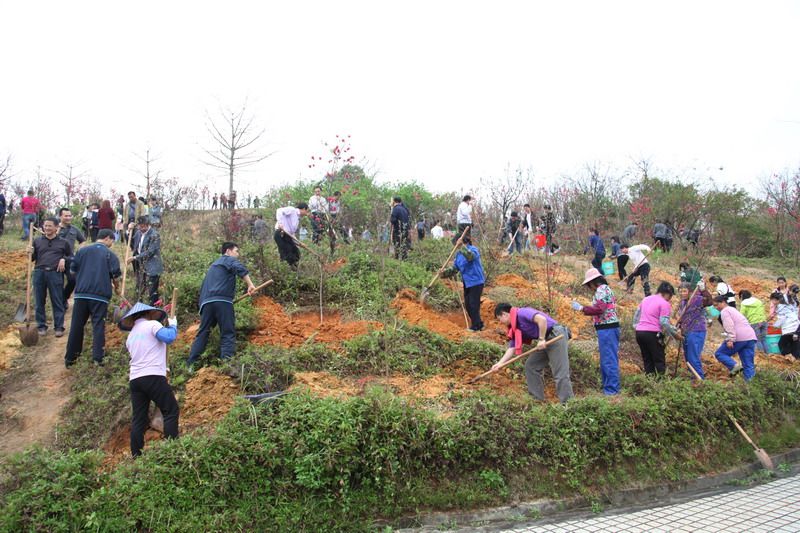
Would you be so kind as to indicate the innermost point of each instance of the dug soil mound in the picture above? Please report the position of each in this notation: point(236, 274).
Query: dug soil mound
point(759, 287)
point(277, 328)
point(449, 324)
point(208, 397)
point(13, 264)
point(118, 447)
point(335, 265)
point(9, 346)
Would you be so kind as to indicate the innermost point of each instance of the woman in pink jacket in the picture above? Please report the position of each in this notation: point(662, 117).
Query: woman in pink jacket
point(741, 339)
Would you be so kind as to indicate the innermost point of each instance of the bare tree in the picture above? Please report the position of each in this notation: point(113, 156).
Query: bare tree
point(236, 144)
point(72, 179)
point(148, 172)
point(5, 170)
point(508, 190)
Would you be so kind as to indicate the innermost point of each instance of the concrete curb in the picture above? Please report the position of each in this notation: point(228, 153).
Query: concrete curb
point(546, 511)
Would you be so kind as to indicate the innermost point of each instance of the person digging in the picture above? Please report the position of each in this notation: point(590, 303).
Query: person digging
point(147, 344)
point(526, 324)
point(468, 262)
point(216, 303)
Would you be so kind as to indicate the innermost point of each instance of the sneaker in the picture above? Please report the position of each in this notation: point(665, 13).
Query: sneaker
point(736, 369)
point(97, 363)
point(59, 333)
point(42, 331)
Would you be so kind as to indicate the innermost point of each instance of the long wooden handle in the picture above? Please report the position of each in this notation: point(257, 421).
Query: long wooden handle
point(30, 271)
point(742, 431)
point(515, 358)
point(125, 266)
point(449, 257)
point(173, 310)
point(637, 266)
point(303, 246)
point(258, 288)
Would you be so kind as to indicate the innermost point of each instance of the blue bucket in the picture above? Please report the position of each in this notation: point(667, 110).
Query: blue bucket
point(772, 343)
point(609, 268)
point(712, 311)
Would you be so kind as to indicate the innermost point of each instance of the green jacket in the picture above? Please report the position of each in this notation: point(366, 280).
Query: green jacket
point(691, 276)
point(753, 310)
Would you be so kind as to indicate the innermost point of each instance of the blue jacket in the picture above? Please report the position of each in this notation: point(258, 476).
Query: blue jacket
point(399, 218)
point(596, 244)
point(219, 285)
point(616, 249)
point(471, 270)
point(94, 267)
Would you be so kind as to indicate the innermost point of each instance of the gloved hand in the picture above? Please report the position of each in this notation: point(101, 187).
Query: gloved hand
point(701, 285)
point(576, 306)
point(172, 322)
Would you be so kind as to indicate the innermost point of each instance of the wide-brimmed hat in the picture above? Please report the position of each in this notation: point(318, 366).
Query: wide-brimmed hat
point(591, 274)
point(126, 323)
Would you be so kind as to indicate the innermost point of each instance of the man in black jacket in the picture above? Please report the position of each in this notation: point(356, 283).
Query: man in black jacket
point(399, 221)
point(51, 253)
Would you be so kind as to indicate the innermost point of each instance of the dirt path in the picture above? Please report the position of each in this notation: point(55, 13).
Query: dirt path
point(32, 401)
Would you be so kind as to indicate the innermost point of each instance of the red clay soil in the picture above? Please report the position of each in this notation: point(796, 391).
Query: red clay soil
point(10, 345)
point(208, 397)
point(277, 328)
point(118, 447)
point(760, 288)
point(334, 266)
point(13, 265)
point(410, 309)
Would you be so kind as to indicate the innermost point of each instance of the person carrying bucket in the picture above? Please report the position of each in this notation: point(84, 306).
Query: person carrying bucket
point(786, 319)
point(692, 322)
point(606, 323)
point(741, 339)
point(147, 343)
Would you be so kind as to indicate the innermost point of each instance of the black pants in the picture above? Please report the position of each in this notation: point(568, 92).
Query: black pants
point(82, 309)
point(460, 232)
point(788, 346)
point(213, 314)
point(643, 272)
point(69, 287)
point(2, 222)
point(144, 390)
point(597, 261)
point(622, 260)
point(151, 286)
point(400, 240)
point(652, 352)
point(287, 248)
point(472, 301)
point(420, 234)
point(317, 226)
point(93, 234)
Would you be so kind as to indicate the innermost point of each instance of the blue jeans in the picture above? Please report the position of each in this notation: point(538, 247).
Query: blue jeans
point(26, 223)
point(746, 351)
point(692, 348)
point(215, 314)
point(49, 282)
point(516, 242)
point(608, 342)
point(761, 334)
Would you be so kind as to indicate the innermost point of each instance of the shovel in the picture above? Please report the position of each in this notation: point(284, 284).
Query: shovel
point(28, 333)
point(258, 288)
point(761, 454)
point(427, 289)
point(124, 305)
point(306, 248)
point(515, 358)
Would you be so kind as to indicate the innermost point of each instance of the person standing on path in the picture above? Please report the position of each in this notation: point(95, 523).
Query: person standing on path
point(660, 236)
point(786, 319)
point(622, 258)
point(463, 216)
point(468, 262)
point(651, 322)
point(147, 344)
point(106, 216)
point(597, 247)
point(97, 273)
point(216, 302)
point(214, 201)
point(606, 323)
point(692, 322)
point(636, 256)
point(399, 221)
point(133, 210)
point(529, 218)
point(286, 226)
point(515, 228)
point(74, 237)
point(30, 212)
point(146, 245)
point(318, 206)
point(550, 227)
point(50, 253)
point(753, 310)
point(526, 324)
point(741, 339)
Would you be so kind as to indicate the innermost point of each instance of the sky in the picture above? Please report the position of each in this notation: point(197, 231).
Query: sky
point(447, 93)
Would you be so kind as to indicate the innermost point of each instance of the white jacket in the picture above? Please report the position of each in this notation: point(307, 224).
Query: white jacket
point(786, 319)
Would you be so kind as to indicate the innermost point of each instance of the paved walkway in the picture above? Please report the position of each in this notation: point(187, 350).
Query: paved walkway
point(772, 507)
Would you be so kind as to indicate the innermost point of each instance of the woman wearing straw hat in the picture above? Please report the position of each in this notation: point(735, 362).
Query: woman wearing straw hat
point(147, 343)
point(606, 322)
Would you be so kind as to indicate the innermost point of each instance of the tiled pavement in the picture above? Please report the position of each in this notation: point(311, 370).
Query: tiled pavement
point(772, 507)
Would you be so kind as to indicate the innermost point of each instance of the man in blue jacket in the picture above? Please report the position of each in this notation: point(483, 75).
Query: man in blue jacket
point(468, 262)
point(399, 221)
point(216, 302)
point(97, 273)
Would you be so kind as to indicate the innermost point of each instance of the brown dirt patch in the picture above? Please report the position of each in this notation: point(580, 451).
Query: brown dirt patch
point(334, 266)
point(759, 287)
point(118, 446)
point(9, 346)
point(409, 308)
point(13, 265)
point(208, 397)
point(278, 328)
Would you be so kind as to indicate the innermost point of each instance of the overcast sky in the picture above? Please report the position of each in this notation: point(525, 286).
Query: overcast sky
point(447, 93)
